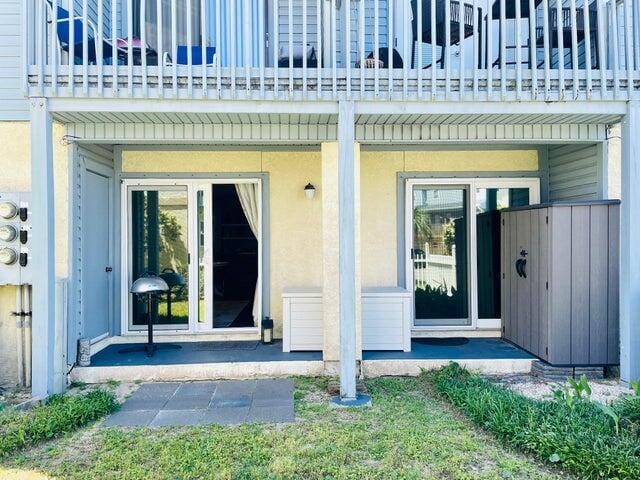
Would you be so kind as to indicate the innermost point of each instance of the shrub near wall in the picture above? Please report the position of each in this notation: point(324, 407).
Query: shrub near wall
point(581, 438)
point(60, 414)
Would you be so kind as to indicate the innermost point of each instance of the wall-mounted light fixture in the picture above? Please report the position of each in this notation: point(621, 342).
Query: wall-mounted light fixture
point(310, 191)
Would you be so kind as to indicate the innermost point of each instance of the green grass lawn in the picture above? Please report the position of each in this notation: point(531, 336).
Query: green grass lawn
point(408, 433)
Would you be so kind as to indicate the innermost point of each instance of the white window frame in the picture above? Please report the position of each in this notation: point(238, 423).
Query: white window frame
point(472, 185)
point(192, 187)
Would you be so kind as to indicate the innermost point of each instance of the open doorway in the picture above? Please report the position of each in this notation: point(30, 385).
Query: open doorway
point(235, 255)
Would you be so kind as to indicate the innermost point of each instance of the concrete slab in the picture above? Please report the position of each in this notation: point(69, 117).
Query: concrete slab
point(188, 402)
point(224, 402)
point(178, 418)
point(130, 418)
point(197, 388)
point(225, 415)
point(234, 400)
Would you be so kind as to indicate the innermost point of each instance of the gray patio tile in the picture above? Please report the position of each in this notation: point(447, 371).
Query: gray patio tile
point(188, 402)
point(137, 418)
point(281, 414)
point(135, 403)
point(197, 388)
point(230, 400)
point(240, 387)
point(225, 415)
point(157, 388)
point(265, 401)
point(178, 418)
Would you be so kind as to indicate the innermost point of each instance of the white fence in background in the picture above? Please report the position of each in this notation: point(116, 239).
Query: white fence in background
point(434, 270)
point(330, 49)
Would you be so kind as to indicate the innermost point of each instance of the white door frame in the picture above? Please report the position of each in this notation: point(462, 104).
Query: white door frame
point(192, 186)
point(471, 184)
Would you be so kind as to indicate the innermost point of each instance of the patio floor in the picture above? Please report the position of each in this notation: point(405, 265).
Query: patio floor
point(468, 349)
point(253, 351)
point(201, 352)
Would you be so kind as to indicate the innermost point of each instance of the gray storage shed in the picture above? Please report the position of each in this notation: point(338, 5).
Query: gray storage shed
point(560, 281)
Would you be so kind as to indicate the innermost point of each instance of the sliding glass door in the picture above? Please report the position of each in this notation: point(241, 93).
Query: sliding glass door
point(453, 248)
point(204, 239)
point(440, 255)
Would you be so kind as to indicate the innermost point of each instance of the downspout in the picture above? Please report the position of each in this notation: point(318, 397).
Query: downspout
point(19, 335)
point(26, 303)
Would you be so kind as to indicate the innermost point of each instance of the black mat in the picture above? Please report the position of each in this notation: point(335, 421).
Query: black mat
point(443, 342)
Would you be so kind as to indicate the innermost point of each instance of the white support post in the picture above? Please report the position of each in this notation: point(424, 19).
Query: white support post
point(42, 249)
point(348, 180)
point(629, 253)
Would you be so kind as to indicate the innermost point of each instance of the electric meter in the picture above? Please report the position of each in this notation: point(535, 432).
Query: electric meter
point(8, 210)
point(8, 256)
point(8, 233)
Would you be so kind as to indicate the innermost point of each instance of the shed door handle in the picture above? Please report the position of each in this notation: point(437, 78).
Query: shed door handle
point(521, 265)
point(108, 269)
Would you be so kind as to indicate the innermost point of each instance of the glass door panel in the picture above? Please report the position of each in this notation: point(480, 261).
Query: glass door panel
point(489, 202)
point(159, 245)
point(439, 255)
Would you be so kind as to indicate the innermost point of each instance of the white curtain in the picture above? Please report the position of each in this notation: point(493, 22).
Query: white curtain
point(248, 196)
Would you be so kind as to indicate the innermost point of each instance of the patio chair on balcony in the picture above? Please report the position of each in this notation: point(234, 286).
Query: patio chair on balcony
point(182, 56)
point(455, 35)
point(298, 55)
point(510, 14)
point(382, 59)
point(63, 20)
point(564, 28)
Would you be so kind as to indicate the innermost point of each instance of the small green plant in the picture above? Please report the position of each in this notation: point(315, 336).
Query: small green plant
point(573, 392)
point(635, 386)
point(113, 383)
point(610, 412)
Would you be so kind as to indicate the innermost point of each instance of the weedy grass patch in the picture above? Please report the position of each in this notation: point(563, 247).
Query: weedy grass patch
point(60, 414)
point(585, 437)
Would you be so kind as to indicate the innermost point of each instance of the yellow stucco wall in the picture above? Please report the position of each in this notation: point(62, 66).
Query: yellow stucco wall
point(15, 176)
point(378, 178)
point(295, 221)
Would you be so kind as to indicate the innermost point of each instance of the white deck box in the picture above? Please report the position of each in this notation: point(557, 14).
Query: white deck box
point(302, 319)
point(386, 319)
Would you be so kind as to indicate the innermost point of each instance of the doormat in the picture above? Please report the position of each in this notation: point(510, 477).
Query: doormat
point(442, 342)
point(232, 345)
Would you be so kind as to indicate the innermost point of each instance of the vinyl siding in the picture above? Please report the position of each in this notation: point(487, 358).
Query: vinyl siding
point(575, 172)
point(13, 106)
point(369, 21)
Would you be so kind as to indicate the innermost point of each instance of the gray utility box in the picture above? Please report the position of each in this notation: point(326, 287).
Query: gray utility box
point(560, 281)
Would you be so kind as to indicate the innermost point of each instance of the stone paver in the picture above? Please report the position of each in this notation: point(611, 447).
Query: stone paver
point(200, 403)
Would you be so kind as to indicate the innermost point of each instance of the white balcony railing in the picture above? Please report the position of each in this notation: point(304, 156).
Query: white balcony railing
point(329, 49)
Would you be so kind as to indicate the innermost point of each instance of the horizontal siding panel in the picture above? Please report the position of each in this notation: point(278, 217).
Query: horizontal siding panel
point(13, 105)
point(574, 172)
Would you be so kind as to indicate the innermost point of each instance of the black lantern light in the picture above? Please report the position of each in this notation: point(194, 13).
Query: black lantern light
point(310, 191)
point(267, 331)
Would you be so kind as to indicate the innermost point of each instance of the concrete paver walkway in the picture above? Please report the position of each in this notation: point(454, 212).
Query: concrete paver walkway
point(201, 403)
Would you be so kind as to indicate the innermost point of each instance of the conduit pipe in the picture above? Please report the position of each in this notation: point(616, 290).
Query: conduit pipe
point(19, 335)
point(26, 305)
